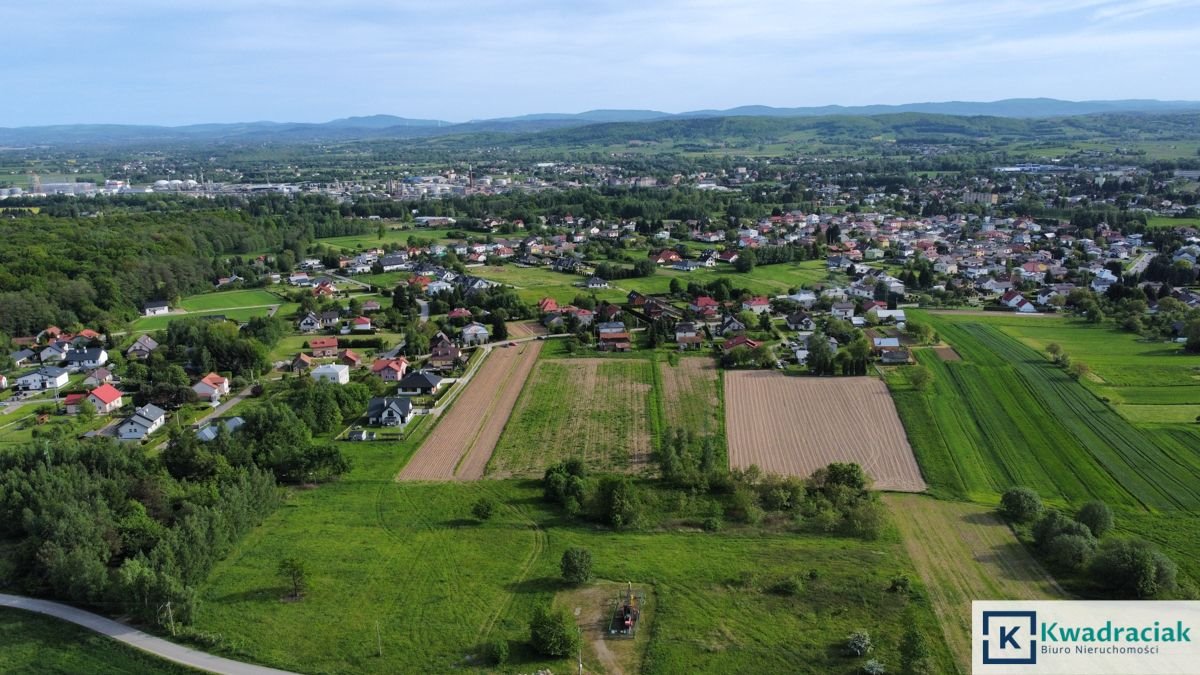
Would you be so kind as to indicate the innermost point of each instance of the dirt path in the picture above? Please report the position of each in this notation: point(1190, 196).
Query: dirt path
point(795, 425)
point(963, 552)
point(462, 443)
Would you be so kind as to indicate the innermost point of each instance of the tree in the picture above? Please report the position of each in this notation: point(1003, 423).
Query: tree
point(1054, 350)
point(552, 632)
point(1097, 516)
point(745, 261)
point(1131, 568)
point(1071, 551)
point(576, 565)
point(859, 643)
point(1078, 370)
point(483, 509)
point(675, 287)
point(295, 573)
point(920, 377)
point(1021, 505)
point(1192, 332)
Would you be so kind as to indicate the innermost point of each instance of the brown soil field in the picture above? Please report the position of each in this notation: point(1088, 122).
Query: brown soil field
point(947, 354)
point(795, 425)
point(524, 329)
point(690, 395)
point(463, 441)
point(963, 552)
point(594, 409)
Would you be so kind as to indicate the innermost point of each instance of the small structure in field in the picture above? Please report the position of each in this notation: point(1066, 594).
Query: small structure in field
point(626, 613)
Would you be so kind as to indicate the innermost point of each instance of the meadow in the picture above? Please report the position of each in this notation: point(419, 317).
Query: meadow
point(406, 562)
point(160, 322)
point(393, 234)
point(255, 297)
point(30, 643)
point(534, 283)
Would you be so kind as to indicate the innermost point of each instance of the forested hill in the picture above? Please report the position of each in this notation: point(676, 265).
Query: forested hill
point(900, 127)
point(96, 262)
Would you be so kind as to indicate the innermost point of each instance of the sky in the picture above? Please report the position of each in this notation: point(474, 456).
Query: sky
point(168, 62)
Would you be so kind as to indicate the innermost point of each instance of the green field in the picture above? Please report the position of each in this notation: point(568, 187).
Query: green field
point(599, 410)
point(393, 235)
point(229, 300)
point(1006, 416)
point(535, 283)
point(30, 643)
point(1167, 221)
point(151, 323)
point(407, 560)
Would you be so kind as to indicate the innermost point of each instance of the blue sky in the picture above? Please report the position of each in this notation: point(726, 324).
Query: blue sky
point(166, 62)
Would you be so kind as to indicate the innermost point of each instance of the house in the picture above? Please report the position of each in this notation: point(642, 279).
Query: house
point(145, 421)
point(613, 337)
point(142, 348)
point(390, 411)
point(881, 344)
point(475, 333)
point(800, 321)
point(895, 357)
point(889, 315)
point(106, 399)
point(729, 256)
point(22, 357)
point(758, 304)
point(84, 359)
point(350, 358)
point(323, 347)
point(46, 377)
point(842, 310)
point(371, 306)
point(687, 266)
point(156, 307)
point(72, 403)
point(311, 323)
point(420, 383)
point(55, 353)
point(595, 282)
point(332, 372)
point(688, 336)
point(390, 370)
point(360, 324)
point(444, 354)
point(210, 431)
point(665, 257)
point(730, 324)
point(302, 362)
point(211, 388)
point(547, 304)
point(436, 287)
point(704, 305)
point(98, 377)
point(740, 341)
point(459, 313)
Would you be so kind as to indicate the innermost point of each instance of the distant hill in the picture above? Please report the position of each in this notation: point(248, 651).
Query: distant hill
point(572, 128)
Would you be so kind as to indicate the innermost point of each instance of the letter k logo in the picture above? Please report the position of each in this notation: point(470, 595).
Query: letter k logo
point(1009, 637)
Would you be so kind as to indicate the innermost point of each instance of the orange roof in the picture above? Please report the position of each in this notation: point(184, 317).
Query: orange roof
point(106, 393)
point(73, 399)
point(213, 380)
point(388, 364)
point(321, 343)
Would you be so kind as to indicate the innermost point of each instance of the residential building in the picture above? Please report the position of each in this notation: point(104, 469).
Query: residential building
point(211, 388)
point(332, 372)
point(145, 421)
point(390, 411)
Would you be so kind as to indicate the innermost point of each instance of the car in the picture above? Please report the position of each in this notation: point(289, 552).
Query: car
point(541, 337)
point(512, 344)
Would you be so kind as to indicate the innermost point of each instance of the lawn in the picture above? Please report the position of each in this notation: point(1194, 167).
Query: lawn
point(535, 283)
point(405, 564)
point(229, 300)
point(153, 323)
point(30, 643)
point(770, 280)
point(393, 235)
point(1168, 221)
point(599, 410)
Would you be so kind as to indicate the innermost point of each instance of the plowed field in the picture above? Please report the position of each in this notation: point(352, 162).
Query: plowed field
point(594, 409)
point(462, 443)
point(795, 425)
point(524, 329)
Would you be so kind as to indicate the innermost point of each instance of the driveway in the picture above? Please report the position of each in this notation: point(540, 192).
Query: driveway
point(136, 638)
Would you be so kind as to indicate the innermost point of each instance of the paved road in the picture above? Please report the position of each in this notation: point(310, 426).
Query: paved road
point(1141, 264)
point(136, 638)
point(215, 412)
point(424, 305)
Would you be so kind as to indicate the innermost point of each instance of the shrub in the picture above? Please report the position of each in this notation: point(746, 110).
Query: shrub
point(552, 632)
point(914, 652)
point(576, 565)
point(712, 524)
point(859, 643)
point(483, 509)
point(1054, 524)
point(498, 651)
point(1097, 516)
point(1071, 551)
point(787, 586)
point(1021, 505)
point(900, 584)
point(874, 667)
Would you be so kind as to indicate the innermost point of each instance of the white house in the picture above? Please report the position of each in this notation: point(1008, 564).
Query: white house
point(332, 372)
point(106, 399)
point(390, 411)
point(86, 359)
point(156, 307)
point(474, 333)
point(46, 377)
point(145, 421)
point(211, 388)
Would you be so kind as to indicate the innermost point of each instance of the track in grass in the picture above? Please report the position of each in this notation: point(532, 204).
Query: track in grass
point(795, 425)
point(963, 552)
point(463, 441)
point(690, 395)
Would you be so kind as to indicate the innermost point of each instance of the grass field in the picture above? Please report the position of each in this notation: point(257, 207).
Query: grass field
point(1167, 221)
point(691, 392)
point(535, 283)
point(963, 552)
point(229, 300)
point(406, 559)
point(30, 643)
point(152, 323)
point(393, 235)
point(1005, 416)
point(599, 410)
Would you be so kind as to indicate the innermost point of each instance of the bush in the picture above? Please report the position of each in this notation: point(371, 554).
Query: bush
point(874, 667)
point(1021, 505)
point(712, 524)
point(552, 632)
point(859, 643)
point(788, 586)
point(483, 509)
point(900, 584)
point(1097, 516)
point(576, 565)
point(1071, 551)
point(1132, 569)
point(914, 652)
point(498, 651)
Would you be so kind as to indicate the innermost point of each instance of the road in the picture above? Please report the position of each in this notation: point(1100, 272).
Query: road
point(1141, 264)
point(136, 638)
point(424, 305)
